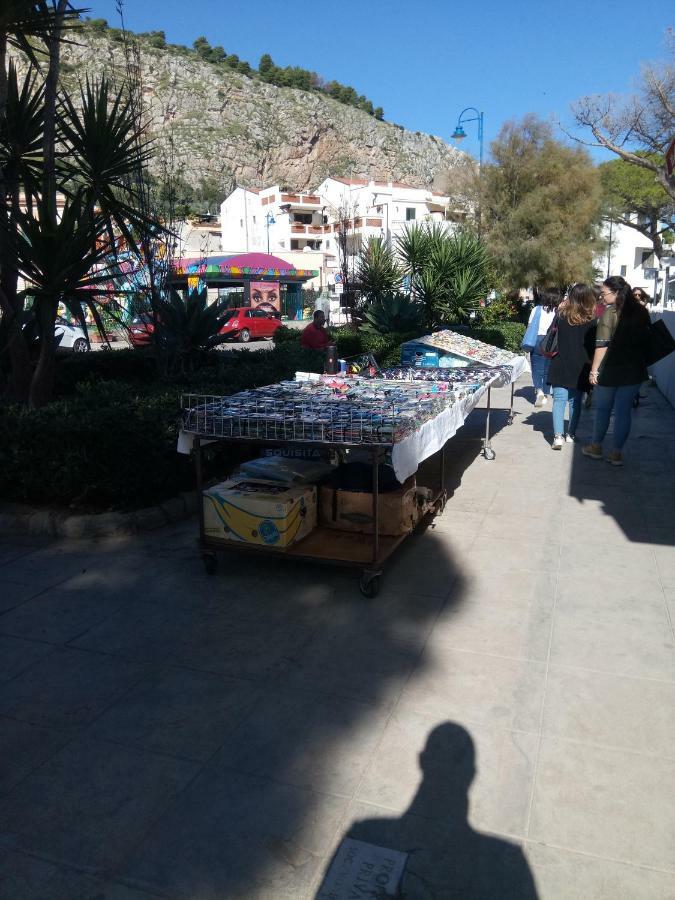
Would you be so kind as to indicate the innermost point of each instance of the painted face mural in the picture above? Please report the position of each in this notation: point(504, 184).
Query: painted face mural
point(265, 295)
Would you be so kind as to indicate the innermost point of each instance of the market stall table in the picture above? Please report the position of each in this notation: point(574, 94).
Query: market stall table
point(402, 421)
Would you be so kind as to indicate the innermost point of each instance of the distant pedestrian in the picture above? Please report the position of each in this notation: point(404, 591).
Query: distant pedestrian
point(541, 317)
point(569, 369)
point(618, 368)
point(642, 296)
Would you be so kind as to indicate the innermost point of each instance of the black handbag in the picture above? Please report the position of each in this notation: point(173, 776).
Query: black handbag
point(548, 345)
point(660, 342)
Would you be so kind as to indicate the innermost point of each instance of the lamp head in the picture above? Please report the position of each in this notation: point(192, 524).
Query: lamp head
point(458, 134)
point(270, 219)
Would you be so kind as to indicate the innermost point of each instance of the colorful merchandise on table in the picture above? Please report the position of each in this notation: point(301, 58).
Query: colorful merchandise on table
point(464, 349)
point(353, 412)
point(259, 512)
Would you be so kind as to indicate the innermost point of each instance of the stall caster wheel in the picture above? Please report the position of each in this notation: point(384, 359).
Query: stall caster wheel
point(509, 421)
point(210, 561)
point(369, 585)
point(489, 453)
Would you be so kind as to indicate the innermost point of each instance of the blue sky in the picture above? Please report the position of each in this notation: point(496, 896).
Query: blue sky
point(424, 61)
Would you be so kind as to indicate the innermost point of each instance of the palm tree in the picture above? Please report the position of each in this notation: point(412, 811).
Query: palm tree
point(378, 272)
point(412, 247)
point(50, 147)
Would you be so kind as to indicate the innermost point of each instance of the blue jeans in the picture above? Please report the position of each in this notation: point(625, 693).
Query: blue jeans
point(561, 397)
point(619, 399)
point(540, 366)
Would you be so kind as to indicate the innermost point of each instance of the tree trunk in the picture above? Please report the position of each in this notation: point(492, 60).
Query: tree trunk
point(45, 308)
point(42, 382)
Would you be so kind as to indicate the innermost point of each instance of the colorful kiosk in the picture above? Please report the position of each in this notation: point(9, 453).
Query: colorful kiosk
point(267, 282)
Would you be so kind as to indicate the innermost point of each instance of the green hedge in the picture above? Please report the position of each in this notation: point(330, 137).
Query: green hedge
point(109, 439)
point(507, 335)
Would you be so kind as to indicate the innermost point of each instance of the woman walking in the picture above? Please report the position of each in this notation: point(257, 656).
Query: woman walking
point(569, 369)
point(618, 367)
point(543, 313)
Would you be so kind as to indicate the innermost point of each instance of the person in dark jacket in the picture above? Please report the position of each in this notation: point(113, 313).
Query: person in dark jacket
point(618, 367)
point(569, 369)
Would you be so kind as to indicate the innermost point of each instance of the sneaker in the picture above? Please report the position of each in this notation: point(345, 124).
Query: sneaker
point(558, 442)
point(615, 458)
point(540, 399)
point(570, 439)
point(592, 451)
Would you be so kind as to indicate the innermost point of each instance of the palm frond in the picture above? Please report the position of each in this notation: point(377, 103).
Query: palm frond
point(21, 131)
point(107, 151)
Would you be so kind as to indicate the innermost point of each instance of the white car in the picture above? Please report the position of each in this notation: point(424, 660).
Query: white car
point(70, 337)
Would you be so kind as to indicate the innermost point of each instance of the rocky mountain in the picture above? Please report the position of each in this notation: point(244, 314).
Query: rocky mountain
point(225, 127)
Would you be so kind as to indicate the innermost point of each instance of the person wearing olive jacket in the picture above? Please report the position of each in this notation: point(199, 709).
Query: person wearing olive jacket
point(618, 367)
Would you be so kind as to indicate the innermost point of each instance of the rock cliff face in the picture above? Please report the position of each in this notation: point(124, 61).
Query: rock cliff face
point(231, 128)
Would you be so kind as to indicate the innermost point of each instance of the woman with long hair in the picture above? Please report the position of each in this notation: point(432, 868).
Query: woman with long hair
point(569, 369)
point(546, 302)
point(618, 367)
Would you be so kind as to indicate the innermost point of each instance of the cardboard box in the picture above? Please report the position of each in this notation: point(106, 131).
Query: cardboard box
point(259, 512)
point(353, 510)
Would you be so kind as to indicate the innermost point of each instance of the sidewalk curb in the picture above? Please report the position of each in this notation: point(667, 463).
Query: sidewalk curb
point(16, 519)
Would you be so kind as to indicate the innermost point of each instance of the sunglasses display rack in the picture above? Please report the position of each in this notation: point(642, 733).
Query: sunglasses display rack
point(383, 413)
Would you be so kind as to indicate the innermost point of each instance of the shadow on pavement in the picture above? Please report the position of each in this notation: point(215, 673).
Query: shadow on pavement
point(174, 734)
point(447, 858)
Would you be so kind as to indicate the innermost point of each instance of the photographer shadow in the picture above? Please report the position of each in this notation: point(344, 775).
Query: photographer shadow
point(447, 858)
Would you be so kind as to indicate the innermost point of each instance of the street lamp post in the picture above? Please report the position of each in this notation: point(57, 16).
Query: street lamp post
point(270, 220)
point(459, 134)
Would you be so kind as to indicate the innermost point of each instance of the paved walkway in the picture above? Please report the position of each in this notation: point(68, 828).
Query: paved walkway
point(505, 708)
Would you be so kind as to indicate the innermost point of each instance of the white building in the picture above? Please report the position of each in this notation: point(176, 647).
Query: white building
point(286, 223)
point(628, 253)
point(281, 222)
point(380, 208)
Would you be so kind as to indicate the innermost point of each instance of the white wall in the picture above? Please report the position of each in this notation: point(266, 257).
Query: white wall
point(624, 257)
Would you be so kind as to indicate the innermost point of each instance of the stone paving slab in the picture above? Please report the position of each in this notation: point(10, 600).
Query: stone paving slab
point(505, 707)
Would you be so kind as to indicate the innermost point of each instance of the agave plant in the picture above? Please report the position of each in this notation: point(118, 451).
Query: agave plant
point(393, 313)
point(187, 326)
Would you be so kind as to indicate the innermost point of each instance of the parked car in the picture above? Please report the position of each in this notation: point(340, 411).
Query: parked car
point(141, 330)
point(246, 324)
point(70, 337)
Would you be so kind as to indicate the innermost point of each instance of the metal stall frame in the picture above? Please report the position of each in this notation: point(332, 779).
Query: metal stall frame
point(487, 451)
point(316, 546)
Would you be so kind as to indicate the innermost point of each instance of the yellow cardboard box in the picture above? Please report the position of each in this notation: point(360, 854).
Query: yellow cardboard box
point(259, 512)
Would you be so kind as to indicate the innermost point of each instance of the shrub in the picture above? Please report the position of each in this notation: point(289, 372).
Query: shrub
point(109, 440)
point(285, 335)
point(507, 335)
point(392, 313)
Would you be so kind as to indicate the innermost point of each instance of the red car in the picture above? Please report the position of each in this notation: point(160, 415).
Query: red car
point(141, 330)
point(248, 324)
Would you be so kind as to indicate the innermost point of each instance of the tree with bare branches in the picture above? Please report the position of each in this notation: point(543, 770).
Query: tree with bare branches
point(643, 122)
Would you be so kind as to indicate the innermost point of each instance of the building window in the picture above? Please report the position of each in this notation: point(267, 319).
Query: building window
point(254, 220)
point(645, 256)
point(241, 223)
point(623, 271)
point(327, 244)
point(295, 245)
point(409, 213)
point(303, 218)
